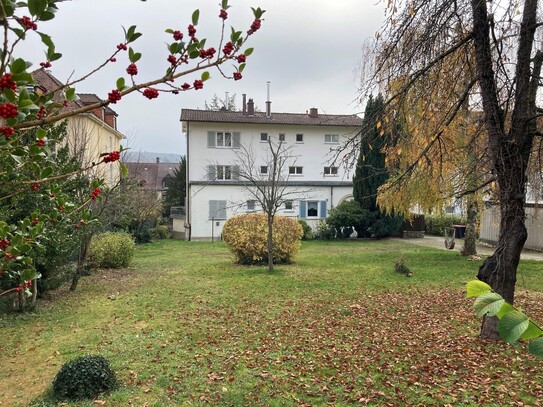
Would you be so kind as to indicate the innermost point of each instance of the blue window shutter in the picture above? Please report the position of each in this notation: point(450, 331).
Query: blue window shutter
point(236, 139)
point(303, 210)
point(323, 209)
point(211, 139)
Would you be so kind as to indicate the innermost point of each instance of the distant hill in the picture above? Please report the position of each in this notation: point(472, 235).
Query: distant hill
point(149, 157)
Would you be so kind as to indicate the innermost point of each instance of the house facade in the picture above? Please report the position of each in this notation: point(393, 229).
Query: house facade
point(88, 134)
point(218, 142)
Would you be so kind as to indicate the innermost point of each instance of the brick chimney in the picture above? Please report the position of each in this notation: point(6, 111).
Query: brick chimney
point(314, 112)
point(251, 107)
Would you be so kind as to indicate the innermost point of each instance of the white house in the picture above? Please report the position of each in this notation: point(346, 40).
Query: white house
point(214, 142)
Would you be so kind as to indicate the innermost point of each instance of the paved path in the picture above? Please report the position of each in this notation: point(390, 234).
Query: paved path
point(439, 243)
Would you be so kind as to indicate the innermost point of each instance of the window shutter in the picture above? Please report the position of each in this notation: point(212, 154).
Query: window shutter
point(323, 209)
point(211, 139)
point(303, 210)
point(212, 209)
point(236, 139)
point(211, 173)
point(235, 172)
point(221, 210)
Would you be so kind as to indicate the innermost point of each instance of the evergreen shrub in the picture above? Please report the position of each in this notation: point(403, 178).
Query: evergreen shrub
point(84, 378)
point(246, 236)
point(111, 250)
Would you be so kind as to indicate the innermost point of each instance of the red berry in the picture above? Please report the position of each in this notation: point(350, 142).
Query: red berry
point(122, 46)
point(114, 96)
point(237, 76)
point(228, 48)
point(28, 23)
point(7, 131)
point(95, 193)
point(46, 64)
point(6, 82)
point(241, 58)
point(198, 84)
point(150, 93)
point(4, 243)
point(113, 59)
point(8, 110)
point(223, 14)
point(185, 86)
point(132, 69)
point(192, 30)
point(172, 59)
point(40, 143)
point(35, 187)
point(61, 208)
point(177, 35)
point(255, 26)
point(112, 156)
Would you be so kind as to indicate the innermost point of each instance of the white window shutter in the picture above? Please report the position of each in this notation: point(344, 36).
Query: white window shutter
point(211, 139)
point(236, 139)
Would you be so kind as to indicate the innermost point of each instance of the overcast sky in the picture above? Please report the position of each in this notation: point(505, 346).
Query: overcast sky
point(308, 49)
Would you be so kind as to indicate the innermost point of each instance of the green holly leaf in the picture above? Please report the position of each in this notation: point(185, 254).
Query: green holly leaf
point(18, 66)
point(513, 325)
point(195, 17)
point(37, 7)
point(249, 51)
point(205, 76)
point(121, 83)
point(488, 304)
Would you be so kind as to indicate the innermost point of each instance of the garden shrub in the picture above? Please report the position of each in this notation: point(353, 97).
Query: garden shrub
point(307, 231)
point(436, 224)
point(84, 378)
point(160, 232)
point(325, 231)
point(346, 216)
point(111, 250)
point(246, 236)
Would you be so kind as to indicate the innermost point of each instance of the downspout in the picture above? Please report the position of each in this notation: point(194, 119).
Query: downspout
point(187, 185)
point(331, 196)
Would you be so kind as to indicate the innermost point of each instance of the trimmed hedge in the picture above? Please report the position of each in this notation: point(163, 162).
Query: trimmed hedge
point(436, 224)
point(246, 236)
point(84, 378)
point(111, 250)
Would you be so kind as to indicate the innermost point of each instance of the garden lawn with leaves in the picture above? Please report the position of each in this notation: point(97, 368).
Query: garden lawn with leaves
point(188, 326)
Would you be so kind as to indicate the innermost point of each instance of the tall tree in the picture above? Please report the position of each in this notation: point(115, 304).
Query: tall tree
point(177, 187)
point(216, 103)
point(419, 44)
point(371, 171)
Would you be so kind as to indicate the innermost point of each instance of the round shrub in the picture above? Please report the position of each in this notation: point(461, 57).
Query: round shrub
point(246, 236)
point(111, 250)
point(308, 233)
point(160, 232)
point(84, 378)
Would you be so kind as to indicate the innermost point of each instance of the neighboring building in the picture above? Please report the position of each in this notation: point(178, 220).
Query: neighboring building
point(151, 176)
point(89, 134)
point(214, 138)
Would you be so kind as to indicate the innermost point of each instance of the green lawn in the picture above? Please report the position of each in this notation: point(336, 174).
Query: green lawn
point(338, 327)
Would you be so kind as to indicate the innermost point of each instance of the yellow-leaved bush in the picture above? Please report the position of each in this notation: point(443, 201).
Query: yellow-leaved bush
point(246, 236)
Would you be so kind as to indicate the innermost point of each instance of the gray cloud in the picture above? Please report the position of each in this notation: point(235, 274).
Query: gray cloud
point(308, 49)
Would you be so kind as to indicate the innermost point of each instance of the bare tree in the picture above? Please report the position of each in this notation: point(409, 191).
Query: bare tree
point(418, 54)
point(266, 178)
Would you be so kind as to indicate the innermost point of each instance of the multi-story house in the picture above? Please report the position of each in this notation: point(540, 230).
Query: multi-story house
point(88, 134)
point(218, 140)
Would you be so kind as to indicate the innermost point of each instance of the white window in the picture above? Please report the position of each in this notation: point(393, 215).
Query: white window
point(331, 138)
point(330, 171)
point(288, 205)
point(295, 170)
point(263, 136)
point(224, 139)
point(224, 172)
point(281, 137)
point(263, 169)
point(312, 209)
point(299, 138)
point(251, 205)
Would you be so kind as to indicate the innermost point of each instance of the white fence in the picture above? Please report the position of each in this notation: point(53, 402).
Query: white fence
point(490, 225)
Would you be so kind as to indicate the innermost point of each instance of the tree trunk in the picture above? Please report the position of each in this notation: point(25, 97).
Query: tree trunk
point(270, 243)
point(470, 239)
point(500, 269)
point(81, 260)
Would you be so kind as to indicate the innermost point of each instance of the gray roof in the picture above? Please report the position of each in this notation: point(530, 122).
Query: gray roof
point(222, 116)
